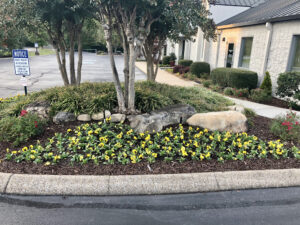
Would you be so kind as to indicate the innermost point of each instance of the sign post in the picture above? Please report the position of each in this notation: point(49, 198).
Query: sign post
point(22, 67)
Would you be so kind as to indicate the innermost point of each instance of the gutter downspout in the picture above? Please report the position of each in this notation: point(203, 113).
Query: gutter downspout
point(269, 27)
point(218, 47)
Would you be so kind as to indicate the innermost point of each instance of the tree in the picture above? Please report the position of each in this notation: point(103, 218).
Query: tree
point(62, 21)
point(132, 21)
point(180, 19)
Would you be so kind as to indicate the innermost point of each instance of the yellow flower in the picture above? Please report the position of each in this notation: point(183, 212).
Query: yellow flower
point(154, 155)
point(47, 164)
point(24, 149)
point(88, 155)
point(141, 156)
point(14, 152)
point(201, 157)
point(134, 151)
point(69, 130)
point(32, 157)
point(205, 130)
point(106, 157)
point(211, 137)
point(244, 152)
point(80, 158)
point(207, 155)
point(90, 132)
point(255, 138)
point(7, 150)
point(147, 138)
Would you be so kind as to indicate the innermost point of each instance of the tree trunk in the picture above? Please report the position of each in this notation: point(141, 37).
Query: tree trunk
point(131, 90)
point(126, 67)
point(120, 96)
point(71, 56)
point(79, 66)
point(63, 73)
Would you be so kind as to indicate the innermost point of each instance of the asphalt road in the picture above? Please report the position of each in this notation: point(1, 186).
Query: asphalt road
point(45, 73)
point(250, 207)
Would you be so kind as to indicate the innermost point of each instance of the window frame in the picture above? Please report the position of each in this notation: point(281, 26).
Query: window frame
point(292, 53)
point(242, 50)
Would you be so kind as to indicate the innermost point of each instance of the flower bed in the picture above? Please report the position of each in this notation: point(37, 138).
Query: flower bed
point(109, 143)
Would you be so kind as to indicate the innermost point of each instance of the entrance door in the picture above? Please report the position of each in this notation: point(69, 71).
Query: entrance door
point(230, 52)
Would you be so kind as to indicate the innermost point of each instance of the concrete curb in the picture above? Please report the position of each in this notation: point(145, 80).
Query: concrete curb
point(146, 184)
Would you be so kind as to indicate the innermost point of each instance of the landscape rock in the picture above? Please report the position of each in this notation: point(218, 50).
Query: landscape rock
point(107, 113)
point(84, 118)
point(64, 117)
point(41, 109)
point(220, 121)
point(237, 108)
point(98, 116)
point(117, 118)
point(156, 120)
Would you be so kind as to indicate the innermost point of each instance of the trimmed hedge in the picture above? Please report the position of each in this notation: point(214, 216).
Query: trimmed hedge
point(198, 68)
point(166, 60)
point(236, 78)
point(185, 62)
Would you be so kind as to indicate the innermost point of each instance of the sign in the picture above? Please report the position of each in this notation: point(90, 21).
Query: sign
point(36, 45)
point(21, 62)
point(23, 81)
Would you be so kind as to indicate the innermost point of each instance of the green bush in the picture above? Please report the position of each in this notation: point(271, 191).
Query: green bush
point(173, 57)
point(18, 130)
point(236, 78)
point(216, 88)
point(166, 60)
point(289, 87)
point(267, 84)
point(185, 62)
point(228, 91)
point(207, 83)
point(198, 68)
point(260, 95)
point(287, 127)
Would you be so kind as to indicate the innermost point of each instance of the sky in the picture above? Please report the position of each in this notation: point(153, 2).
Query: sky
point(221, 13)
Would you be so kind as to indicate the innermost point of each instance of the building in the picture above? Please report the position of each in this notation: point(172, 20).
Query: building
point(263, 37)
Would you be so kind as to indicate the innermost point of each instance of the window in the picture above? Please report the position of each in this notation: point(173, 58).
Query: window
point(245, 53)
point(295, 63)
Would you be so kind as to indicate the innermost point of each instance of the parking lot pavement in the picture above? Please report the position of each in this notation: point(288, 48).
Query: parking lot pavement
point(45, 73)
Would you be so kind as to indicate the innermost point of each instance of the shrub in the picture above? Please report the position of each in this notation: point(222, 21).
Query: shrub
point(198, 68)
point(250, 114)
point(207, 83)
point(216, 88)
point(177, 69)
point(267, 84)
point(173, 57)
point(20, 129)
point(191, 76)
point(236, 78)
point(166, 60)
point(228, 91)
point(260, 95)
point(287, 127)
point(185, 62)
point(289, 87)
point(243, 92)
point(205, 76)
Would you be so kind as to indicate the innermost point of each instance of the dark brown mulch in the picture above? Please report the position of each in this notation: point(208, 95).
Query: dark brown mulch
point(260, 128)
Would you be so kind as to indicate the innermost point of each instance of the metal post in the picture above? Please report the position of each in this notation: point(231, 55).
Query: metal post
point(25, 88)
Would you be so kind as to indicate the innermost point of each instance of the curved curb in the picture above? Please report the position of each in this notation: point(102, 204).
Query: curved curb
point(146, 184)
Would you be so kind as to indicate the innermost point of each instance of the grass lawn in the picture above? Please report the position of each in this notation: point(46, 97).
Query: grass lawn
point(42, 52)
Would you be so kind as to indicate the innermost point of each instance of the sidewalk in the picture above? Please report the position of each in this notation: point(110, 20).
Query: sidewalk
point(165, 77)
point(260, 109)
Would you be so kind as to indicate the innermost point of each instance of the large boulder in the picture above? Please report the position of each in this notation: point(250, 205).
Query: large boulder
point(220, 121)
point(238, 108)
point(156, 120)
point(98, 116)
point(41, 109)
point(64, 117)
point(117, 118)
point(84, 118)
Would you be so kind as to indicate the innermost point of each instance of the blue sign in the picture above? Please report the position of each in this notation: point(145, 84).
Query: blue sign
point(21, 62)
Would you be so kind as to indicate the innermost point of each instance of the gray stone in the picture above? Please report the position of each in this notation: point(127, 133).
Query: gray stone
point(64, 117)
point(107, 113)
point(156, 120)
point(84, 118)
point(237, 108)
point(117, 118)
point(98, 116)
point(41, 109)
point(220, 121)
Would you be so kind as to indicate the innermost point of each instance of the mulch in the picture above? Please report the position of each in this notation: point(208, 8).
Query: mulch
point(260, 128)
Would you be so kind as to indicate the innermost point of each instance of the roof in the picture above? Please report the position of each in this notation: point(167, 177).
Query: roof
point(242, 3)
point(269, 11)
